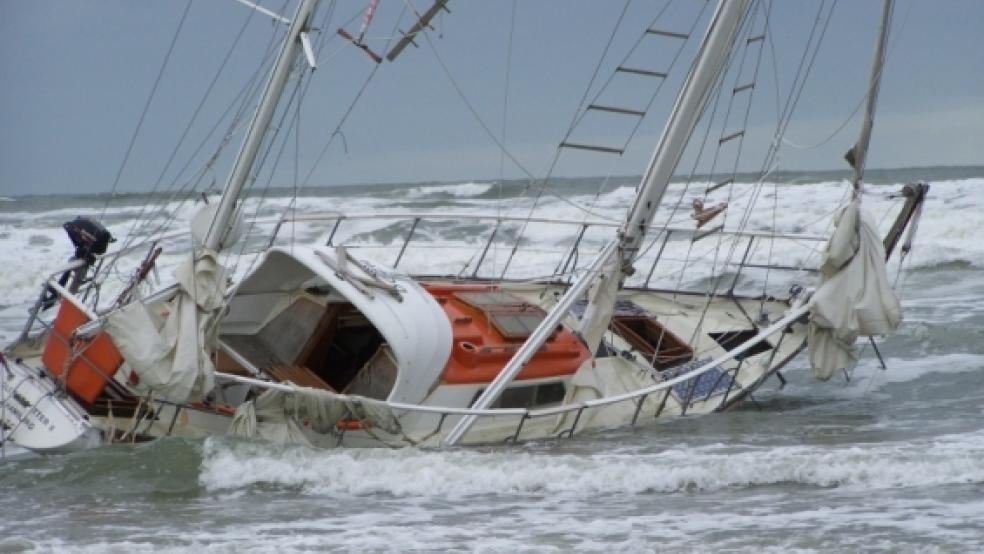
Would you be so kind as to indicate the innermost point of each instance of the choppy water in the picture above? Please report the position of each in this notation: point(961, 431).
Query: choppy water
point(890, 461)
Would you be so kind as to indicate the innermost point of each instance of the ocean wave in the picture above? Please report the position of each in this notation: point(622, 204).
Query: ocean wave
point(460, 190)
point(954, 459)
point(946, 239)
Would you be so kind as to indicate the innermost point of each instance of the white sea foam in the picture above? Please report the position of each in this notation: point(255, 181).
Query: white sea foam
point(462, 190)
point(33, 244)
point(952, 459)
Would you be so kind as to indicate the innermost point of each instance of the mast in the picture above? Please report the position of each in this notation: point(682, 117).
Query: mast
point(690, 102)
point(294, 41)
point(857, 156)
point(603, 275)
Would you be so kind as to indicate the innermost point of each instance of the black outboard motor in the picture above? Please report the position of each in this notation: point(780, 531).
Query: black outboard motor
point(90, 239)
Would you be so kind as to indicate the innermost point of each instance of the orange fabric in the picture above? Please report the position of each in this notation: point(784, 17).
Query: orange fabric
point(479, 351)
point(88, 373)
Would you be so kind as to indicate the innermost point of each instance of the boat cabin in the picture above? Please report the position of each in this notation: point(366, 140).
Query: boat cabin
point(317, 319)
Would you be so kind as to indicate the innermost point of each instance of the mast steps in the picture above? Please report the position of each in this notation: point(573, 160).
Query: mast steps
point(720, 184)
point(613, 109)
point(638, 71)
point(602, 149)
point(668, 34)
point(732, 136)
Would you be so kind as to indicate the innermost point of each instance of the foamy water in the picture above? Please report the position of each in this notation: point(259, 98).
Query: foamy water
point(890, 460)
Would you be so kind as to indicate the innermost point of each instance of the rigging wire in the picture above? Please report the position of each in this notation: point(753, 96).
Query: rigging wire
point(249, 90)
point(138, 230)
point(146, 108)
point(675, 58)
point(582, 111)
point(194, 117)
point(471, 108)
point(556, 156)
point(348, 112)
point(505, 122)
point(328, 143)
point(861, 100)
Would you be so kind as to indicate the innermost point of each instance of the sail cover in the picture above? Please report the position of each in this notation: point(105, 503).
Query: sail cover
point(169, 350)
point(854, 297)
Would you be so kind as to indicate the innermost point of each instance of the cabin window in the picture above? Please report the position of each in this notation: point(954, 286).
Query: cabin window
point(511, 316)
point(528, 396)
point(733, 339)
point(649, 337)
point(515, 326)
point(281, 340)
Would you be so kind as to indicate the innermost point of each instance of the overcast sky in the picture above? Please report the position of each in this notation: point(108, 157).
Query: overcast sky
point(76, 76)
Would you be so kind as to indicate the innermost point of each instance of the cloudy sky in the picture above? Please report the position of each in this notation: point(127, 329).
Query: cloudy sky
point(77, 75)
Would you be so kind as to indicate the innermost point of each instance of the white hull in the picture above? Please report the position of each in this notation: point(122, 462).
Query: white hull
point(36, 415)
point(603, 377)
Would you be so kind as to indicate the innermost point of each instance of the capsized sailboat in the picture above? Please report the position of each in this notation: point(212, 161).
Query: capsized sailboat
point(318, 344)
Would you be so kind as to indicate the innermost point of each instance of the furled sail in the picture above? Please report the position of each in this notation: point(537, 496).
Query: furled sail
point(854, 297)
point(169, 351)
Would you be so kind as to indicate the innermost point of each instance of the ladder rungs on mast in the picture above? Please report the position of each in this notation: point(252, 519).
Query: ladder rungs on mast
point(671, 34)
point(741, 88)
point(704, 234)
point(723, 183)
point(605, 149)
point(636, 71)
point(734, 135)
point(612, 109)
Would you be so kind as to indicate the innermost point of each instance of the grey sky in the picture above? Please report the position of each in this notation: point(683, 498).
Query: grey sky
point(76, 76)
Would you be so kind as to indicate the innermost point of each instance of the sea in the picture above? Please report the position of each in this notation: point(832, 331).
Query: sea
point(876, 459)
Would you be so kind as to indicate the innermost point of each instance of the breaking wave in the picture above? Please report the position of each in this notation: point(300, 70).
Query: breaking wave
point(462, 190)
point(948, 459)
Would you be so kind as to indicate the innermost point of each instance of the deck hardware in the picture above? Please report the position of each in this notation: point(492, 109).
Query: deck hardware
point(570, 432)
point(878, 353)
point(635, 416)
point(485, 250)
point(515, 438)
point(413, 227)
point(662, 403)
point(331, 236)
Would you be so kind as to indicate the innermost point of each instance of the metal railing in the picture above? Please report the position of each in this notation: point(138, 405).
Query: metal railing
point(567, 256)
point(639, 396)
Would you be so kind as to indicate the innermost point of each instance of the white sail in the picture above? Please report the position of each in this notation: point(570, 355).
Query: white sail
point(169, 351)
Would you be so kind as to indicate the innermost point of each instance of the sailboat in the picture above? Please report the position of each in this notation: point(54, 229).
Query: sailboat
point(321, 345)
